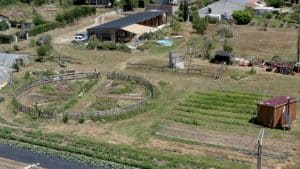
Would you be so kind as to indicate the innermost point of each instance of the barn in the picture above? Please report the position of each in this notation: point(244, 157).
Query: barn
point(276, 112)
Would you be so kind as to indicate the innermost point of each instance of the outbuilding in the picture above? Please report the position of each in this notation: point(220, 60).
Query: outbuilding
point(222, 57)
point(276, 112)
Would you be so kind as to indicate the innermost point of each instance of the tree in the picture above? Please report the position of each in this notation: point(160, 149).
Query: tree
point(39, 2)
point(242, 17)
point(199, 24)
point(185, 11)
point(4, 25)
point(207, 46)
point(275, 3)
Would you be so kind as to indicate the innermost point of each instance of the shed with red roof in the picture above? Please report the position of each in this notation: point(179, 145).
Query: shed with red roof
point(271, 112)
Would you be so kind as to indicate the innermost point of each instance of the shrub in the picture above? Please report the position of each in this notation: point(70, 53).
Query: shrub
point(37, 19)
point(39, 2)
point(124, 48)
point(81, 120)
point(227, 47)
point(65, 117)
point(4, 25)
point(199, 24)
point(70, 15)
point(212, 20)
point(275, 3)
point(42, 50)
point(147, 45)
point(43, 28)
point(6, 2)
point(242, 17)
point(225, 32)
point(6, 38)
point(27, 75)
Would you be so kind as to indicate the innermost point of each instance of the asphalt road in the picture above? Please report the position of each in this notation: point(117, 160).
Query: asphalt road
point(50, 162)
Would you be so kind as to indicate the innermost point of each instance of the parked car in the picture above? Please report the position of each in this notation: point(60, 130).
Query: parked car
point(80, 37)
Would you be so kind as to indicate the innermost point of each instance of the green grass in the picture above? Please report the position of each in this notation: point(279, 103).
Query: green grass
point(103, 104)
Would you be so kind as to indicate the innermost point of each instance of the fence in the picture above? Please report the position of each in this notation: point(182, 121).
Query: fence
point(189, 70)
point(117, 111)
point(35, 112)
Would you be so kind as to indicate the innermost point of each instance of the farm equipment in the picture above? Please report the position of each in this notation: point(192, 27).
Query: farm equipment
point(277, 66)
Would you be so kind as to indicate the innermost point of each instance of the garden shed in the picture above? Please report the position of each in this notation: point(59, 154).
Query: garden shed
point(276, 112)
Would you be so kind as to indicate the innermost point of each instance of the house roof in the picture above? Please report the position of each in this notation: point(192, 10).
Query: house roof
point(278, 101)
point(129, 20)
point(224, 7)
point(8, 60)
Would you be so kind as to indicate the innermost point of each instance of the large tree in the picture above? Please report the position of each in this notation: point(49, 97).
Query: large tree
point(185, 12)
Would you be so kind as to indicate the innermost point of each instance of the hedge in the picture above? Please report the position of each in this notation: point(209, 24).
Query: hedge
point(6, 38)
point(44, 28)
point(75, 13)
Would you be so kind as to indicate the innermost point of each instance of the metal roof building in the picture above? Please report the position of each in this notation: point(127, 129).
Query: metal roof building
point(117, 30)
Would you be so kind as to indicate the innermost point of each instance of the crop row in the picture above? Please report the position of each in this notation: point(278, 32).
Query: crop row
point(136, 157)
point(214, 113)
point(220, 103)
point(218, 108)
point(231, 95)
point(213, 119)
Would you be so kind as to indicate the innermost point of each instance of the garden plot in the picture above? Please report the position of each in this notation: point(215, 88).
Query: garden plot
point(52, 95)
point(111, 94)
point(220, 121)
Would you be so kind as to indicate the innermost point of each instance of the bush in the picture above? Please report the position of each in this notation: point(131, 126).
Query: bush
point(6, 2)
point(225, 32)
point(81, 120)
point(75, 13)
point(4, 25)
point(39, 2)
point(242, 17)
point(6, 38)
point(199, 24)
point(147, 45)
point(212, 20)
point(227, 47)
point(37, 19)
point(43, 28)
point(65, 117)
point(42, 50)
point(275, 3)
point(124, 48)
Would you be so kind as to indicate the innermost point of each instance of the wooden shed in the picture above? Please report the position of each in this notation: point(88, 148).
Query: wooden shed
point(273, 112)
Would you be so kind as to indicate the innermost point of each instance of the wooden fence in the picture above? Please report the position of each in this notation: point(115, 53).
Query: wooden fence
point(188, 70)
point(153, 92)
point(35, 112)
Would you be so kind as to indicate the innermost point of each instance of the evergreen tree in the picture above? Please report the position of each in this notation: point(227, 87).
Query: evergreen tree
point(199, 24)
point(185, 10)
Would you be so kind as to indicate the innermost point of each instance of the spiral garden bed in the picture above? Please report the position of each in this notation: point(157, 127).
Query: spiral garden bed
point(79, 95)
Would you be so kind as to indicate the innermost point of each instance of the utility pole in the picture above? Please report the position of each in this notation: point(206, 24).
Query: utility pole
point(259, 148)
point(298, 47)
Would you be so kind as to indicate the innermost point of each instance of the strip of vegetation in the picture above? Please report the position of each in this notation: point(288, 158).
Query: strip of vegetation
point(214, 113)
point(44, 28)
point(126, 155)
point(75, 13)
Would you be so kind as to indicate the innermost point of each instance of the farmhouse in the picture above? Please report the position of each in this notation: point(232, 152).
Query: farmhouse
point(124, 29)
point(223, 9)
point(276, 112)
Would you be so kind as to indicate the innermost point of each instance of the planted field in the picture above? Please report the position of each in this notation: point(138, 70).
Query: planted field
point(219, 123)
point(121, 154)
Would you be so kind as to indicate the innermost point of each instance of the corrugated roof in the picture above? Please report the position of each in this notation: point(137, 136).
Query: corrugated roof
point(278, 101)
point(129, 20)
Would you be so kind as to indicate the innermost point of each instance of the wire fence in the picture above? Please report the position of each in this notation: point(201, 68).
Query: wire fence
point(215, 73)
